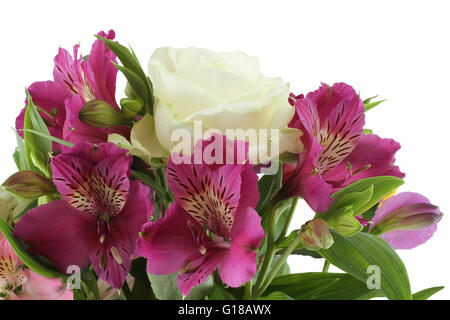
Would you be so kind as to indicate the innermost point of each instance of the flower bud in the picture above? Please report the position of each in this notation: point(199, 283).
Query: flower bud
point(29, 185)
point(410, 217)
point(100, 114)
point(315, 235)
point(131, 108)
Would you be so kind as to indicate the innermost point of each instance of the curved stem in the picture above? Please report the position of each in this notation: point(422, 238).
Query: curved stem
point(271, 248)
point(294, 244)
point(248, 290)
point(326, 266)
point(288, 220)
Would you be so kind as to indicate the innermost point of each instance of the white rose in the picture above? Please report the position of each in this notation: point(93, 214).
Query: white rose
point(222, 90)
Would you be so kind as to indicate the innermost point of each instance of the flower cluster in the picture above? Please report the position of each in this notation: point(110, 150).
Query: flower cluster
point(193, 178)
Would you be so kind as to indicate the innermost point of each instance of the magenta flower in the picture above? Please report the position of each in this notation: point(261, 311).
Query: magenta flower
point(336, 152)
point(406, 220)
point(76, 82)
point(98, 219)
point(21, 283)
point(218, 197)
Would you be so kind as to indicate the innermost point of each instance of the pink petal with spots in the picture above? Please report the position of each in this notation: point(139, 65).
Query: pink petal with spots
point(112, 253)
point(372, 157)
point(198, 268)
point(209, 197)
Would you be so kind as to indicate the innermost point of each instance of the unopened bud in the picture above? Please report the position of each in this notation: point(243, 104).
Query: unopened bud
point(315, 235)
point(131, 108)
point(29, 185)
point(100, 114)
point(411, 217)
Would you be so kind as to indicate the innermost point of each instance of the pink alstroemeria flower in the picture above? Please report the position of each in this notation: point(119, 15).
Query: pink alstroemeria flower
point(99, 218)
point(218, 197)
point(76, 82)
point(18, 282)
point(406, 220)
point(337, 152)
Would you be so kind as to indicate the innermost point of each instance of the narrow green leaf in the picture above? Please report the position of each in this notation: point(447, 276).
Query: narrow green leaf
point(148, 181)
point(356, 254)
point(426, 293)
point(135, 81)
point(277, 295)
point(51, 138)
point(125, 56)
point(22, 154)
point(27, 258)
point(37, 148)
point(267, 186)
point(371, 105)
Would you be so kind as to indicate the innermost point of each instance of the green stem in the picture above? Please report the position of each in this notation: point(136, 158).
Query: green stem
point(294, 244)
point(271, 247)
point(288, 220)
point(326, 266)
point(248, 290)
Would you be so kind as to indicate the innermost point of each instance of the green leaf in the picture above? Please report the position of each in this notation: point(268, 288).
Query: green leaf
point(277, 295)
point(135, 82)
point(355, 254)
point(21, 153)
point(37, 148)
point(50, 138)
point(426, 293)
point(347, 288)
point(219, 293)
point(165, 287)
point(302, 286)
point(133, 71)
point(371, 105)
point(382, 186)
point(148, 181)
point(267, 186)
point(27, 258)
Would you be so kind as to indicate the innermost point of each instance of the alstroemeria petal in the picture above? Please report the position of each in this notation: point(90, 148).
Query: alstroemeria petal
point(373, 156)
point(326, 98)
point(209, 197)
point(59, 232)
point(101, 72)
point(239, 265)
point(38, 287)
point(403, 239)
point(198, 268)
point(169, 241)
point(307, 182)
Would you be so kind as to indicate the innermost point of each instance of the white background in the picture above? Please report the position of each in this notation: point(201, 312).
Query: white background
point(398, 49)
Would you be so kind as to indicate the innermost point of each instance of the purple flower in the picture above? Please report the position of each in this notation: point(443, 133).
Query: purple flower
point(336, 152)
point(406, 220)
point(220, 198)
point(76, 82)
point(99, 218)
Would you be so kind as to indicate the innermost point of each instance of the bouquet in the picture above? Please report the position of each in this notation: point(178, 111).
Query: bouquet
point(186, 187)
